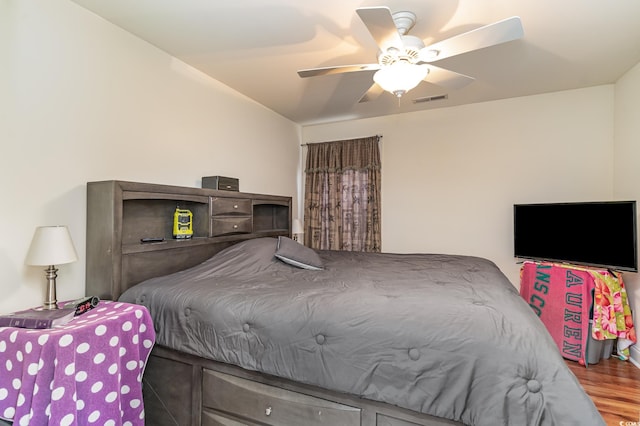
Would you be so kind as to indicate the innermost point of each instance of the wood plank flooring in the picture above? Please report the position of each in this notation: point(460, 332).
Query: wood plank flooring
point(614, 387)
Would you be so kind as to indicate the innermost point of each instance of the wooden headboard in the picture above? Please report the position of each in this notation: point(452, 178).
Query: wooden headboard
point(120, 214)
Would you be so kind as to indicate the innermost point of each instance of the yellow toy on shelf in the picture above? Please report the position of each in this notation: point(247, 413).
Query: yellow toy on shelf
point(182, 223)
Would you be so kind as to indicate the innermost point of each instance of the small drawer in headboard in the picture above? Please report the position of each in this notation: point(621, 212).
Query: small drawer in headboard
point(230, 206)
point(230, 225)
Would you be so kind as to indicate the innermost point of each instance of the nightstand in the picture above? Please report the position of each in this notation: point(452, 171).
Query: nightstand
point(86, 371)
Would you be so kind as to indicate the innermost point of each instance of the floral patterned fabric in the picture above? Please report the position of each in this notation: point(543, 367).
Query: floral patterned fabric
point(611, 312)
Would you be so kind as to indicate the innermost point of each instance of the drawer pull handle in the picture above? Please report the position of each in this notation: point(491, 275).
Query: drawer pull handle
point(235, 206)
point(268, 411)
point(235, 226)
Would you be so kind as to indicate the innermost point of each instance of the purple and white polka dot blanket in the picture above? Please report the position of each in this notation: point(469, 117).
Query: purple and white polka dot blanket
point(86, 372)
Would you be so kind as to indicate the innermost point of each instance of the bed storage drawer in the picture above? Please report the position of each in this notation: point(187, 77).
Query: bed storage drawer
point(230, 206)
point(213, 418)
point(230, 225)
point(271, 405)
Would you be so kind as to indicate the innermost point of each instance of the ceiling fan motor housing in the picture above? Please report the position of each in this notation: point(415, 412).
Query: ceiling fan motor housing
point(409, 52)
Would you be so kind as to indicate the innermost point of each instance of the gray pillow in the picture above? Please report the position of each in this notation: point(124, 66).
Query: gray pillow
point(296, 254)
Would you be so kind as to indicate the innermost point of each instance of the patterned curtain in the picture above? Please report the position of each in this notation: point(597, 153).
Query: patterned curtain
point(342, 195)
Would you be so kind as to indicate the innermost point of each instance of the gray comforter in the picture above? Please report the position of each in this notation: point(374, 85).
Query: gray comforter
point(439, 334)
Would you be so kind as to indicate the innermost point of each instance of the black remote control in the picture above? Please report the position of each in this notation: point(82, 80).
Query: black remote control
point(152, 240)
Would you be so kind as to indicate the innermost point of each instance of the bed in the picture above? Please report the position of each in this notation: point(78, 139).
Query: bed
point(442, 335)
point(255, 329)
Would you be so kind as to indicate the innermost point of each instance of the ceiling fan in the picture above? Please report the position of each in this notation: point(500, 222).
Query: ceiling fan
point(404, 60)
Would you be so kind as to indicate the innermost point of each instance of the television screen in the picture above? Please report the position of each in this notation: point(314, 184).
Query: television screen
point(599, 234)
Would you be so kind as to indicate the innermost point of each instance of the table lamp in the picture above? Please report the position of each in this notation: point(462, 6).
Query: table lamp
point(51, 245)
point(296, 229)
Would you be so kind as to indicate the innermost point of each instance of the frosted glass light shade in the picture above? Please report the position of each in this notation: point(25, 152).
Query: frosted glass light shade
point(400, 77)
point(51, 245)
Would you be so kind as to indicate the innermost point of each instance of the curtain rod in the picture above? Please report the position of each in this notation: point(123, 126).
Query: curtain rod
point(338, 140)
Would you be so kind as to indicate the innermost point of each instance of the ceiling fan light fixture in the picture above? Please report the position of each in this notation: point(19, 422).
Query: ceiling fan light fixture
point(400, 77)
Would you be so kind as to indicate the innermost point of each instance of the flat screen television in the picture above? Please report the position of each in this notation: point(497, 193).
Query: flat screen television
point(601, 234)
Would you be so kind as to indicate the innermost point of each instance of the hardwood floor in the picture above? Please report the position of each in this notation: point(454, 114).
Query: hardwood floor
point(614, 387)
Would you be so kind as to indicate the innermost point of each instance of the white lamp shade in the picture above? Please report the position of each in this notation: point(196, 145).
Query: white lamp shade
point(51, 245)
point(296, 228)
point(400, 77)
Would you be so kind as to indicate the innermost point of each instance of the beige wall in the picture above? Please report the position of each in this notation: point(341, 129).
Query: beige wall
point(82, 100)
point(627, 161)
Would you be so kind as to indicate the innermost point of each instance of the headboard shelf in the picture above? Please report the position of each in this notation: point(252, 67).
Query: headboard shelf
point(120, 214)
point(168, 244)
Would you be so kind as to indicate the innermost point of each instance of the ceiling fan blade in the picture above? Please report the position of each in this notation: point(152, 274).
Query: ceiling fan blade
point(499, 32)
point(312, 72)
point(379, 22)
point(446, 78)
point(371, 94)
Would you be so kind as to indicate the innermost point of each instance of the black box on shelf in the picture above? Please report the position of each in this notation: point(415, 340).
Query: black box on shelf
point(221, 182)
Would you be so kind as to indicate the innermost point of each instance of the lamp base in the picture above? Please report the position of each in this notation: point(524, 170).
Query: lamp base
point(50, 301)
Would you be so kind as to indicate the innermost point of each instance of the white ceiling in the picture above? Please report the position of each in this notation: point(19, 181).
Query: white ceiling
point(257, 46)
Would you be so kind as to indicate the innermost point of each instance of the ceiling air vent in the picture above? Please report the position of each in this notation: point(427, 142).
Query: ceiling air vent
point(430, 98)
